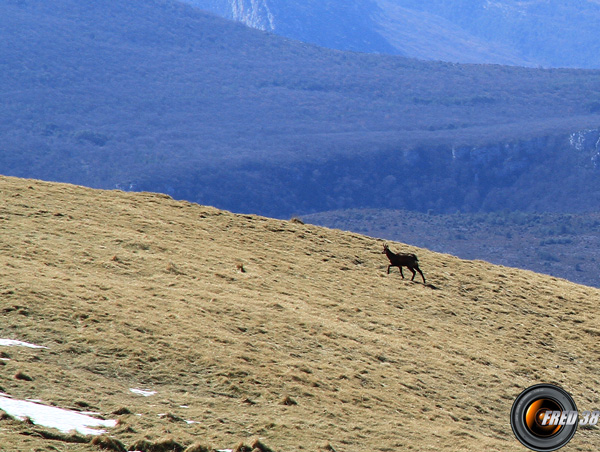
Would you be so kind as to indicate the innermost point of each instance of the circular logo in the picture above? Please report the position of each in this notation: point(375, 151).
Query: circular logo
point(544, 417)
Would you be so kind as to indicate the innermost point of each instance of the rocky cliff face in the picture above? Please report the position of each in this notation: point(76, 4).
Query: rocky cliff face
point(254, 13)
point(509, 160)
point(549, 173)
point(586, 144)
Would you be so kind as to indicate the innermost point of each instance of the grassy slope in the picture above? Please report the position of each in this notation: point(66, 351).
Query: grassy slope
point(566, 246)
point(137, 290)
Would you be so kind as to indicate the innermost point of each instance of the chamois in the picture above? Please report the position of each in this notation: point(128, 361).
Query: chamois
point(403, 260)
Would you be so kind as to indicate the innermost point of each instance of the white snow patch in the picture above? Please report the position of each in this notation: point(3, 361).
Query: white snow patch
point(12, 343)
point(58, 418)
point(143, 392)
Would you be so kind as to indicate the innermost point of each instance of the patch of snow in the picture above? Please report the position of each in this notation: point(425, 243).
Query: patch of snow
point(53, 417)
point(12, 343)
point(143, 392)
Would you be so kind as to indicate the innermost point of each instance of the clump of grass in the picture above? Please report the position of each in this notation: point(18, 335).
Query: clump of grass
point(287, 400)
point(257, 444)
point(81, 404)
point(142, 445)
point(162, 445)
point(198, 448)
point(167, 445)
point(71, 437)
point(23, 376)
point(4, 416)
point(296, 220)
point(241, 447)
point(172, 417)
point(172, 268)
point(108, 443)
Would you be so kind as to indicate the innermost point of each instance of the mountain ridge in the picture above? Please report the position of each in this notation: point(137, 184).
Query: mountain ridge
point(477, 31)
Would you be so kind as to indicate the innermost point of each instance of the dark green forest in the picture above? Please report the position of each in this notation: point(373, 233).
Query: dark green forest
point(156, 95)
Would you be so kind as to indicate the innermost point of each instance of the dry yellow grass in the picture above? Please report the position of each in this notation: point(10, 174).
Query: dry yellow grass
point(311, 347)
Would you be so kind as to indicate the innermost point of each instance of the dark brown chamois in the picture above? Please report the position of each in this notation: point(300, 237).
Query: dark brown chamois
point(403, 260)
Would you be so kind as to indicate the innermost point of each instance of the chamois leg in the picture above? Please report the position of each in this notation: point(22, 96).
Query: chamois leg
point(419, 270)
point(400, 268)
point(413, 272)
point(389, 266)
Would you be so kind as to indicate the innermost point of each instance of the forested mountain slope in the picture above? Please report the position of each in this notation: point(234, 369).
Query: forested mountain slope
point(157, 95)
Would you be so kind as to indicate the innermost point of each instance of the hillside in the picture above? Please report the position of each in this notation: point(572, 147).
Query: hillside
point(562, 245)
point(158, 96)
point(554, 33)
point(313, 346)
point(551, 33)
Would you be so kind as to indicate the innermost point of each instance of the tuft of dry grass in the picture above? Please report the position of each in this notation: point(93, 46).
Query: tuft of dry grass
point(5, 416)
point(259, 446)
point(198, 448)
point(372, 361)
point(288, 401)
point(142, 445)
point(22, 376)
point(108, 443)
